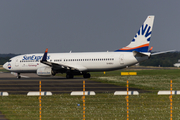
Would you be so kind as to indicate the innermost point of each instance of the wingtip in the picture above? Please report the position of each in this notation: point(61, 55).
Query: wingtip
point(46, 50)
point(44, 58)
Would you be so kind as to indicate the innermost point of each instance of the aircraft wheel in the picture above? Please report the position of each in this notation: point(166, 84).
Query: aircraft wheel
point(18, 76)
point(68, 76)
point(87, 75)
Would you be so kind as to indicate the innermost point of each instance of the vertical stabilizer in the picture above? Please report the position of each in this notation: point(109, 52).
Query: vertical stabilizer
point(140, 42)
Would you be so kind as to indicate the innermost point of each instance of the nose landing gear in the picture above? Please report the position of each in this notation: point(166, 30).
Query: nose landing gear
point(18, 76)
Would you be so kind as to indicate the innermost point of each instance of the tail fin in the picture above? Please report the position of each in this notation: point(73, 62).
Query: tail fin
point(141, 41)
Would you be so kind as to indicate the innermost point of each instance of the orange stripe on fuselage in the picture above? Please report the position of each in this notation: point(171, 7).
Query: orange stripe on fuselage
point(128, 48)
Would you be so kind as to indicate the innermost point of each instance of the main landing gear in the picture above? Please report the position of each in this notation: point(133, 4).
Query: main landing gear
point(87, 75)
point(69, 76)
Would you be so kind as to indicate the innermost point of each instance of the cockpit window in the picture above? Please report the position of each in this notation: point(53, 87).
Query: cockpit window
point(9, 60)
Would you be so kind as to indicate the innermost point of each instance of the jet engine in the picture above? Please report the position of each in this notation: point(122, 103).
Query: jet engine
point(44, 71)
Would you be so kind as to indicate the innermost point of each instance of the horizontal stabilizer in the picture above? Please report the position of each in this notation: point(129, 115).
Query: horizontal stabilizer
point(139, 54)
point(157, 53)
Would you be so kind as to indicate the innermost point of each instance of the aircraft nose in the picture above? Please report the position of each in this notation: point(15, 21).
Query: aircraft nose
point(5, 66)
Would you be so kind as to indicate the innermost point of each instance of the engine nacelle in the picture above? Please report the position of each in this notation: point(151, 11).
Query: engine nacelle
point(44, 71)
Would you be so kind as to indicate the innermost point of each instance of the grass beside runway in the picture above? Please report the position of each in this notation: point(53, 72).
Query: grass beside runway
point(104, 106)
point(1, 67)
point(148, 80)
point(101, 106)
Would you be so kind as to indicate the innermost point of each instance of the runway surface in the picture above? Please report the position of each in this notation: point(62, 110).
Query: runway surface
point(57, 85)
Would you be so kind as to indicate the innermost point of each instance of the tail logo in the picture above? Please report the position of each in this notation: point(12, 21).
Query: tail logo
point(143, 31)
point(141, 40)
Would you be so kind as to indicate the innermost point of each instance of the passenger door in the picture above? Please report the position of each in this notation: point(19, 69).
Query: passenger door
point(121, 59)
point(17, 63)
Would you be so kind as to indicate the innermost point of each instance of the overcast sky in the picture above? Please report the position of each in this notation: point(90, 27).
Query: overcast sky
point(31, 26)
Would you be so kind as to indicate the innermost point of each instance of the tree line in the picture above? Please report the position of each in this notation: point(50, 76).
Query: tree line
point(5, 57)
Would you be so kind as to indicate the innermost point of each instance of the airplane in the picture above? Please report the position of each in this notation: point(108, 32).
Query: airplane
point(48, 64)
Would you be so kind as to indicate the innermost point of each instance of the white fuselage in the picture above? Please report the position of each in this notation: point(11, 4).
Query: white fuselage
point(87, 61)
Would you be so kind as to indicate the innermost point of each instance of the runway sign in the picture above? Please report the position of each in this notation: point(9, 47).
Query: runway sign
point(128, 73)
point(81, 93)
point(4, 94)
point(169, 93)
point(36, 93)
point(125, 93)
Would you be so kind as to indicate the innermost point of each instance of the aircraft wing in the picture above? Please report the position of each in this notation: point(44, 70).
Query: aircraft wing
point(60, 66)
point(55, 65)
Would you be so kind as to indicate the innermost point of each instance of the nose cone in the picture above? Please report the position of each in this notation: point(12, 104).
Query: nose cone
point(6, 66)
